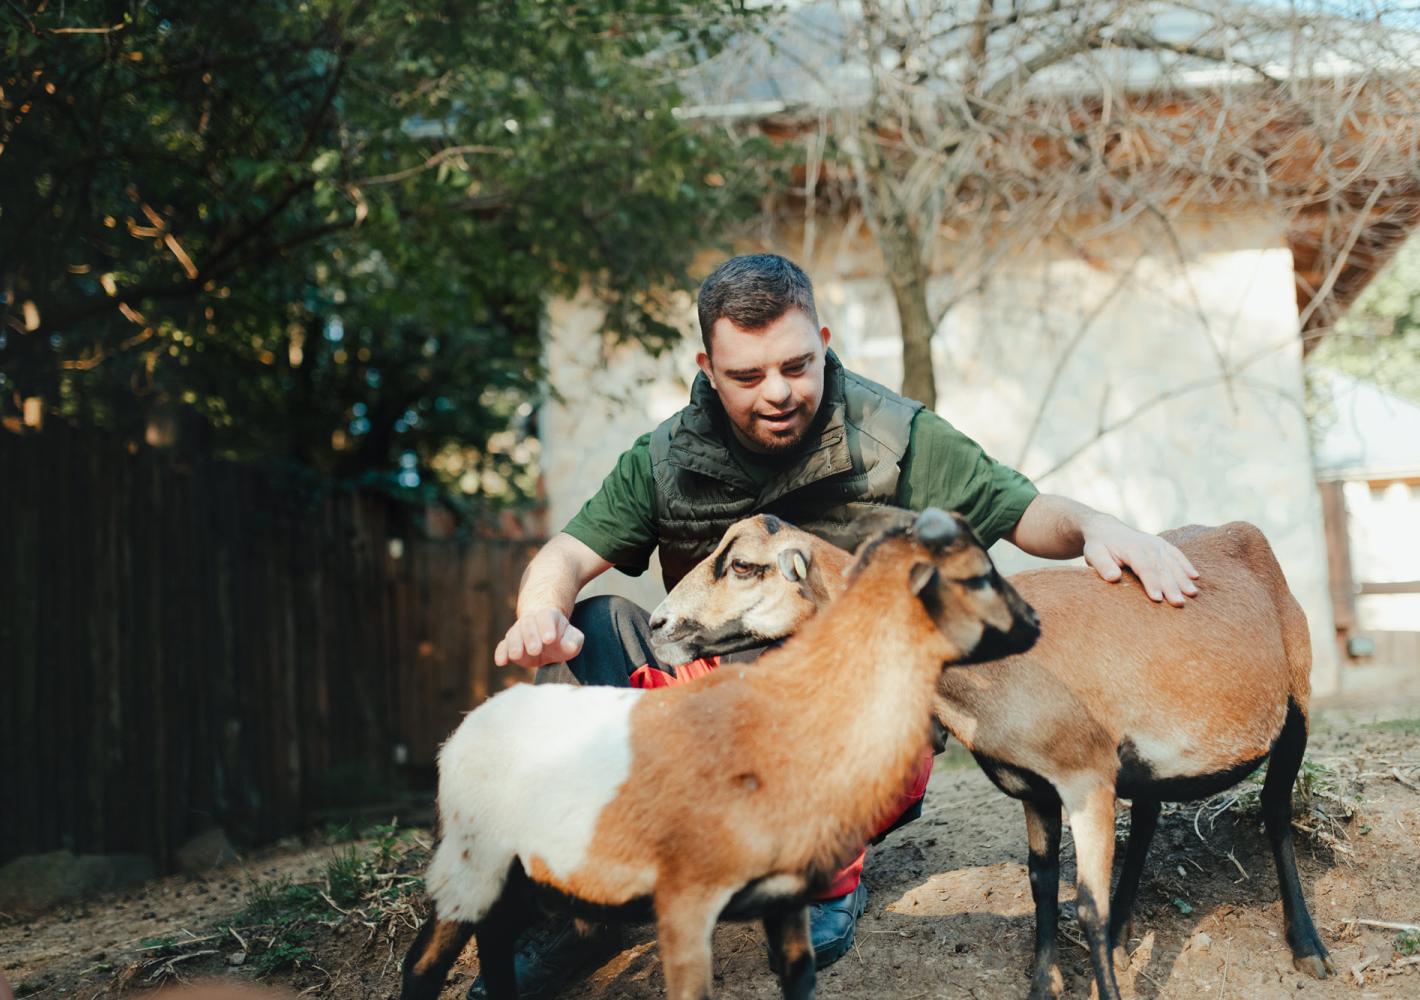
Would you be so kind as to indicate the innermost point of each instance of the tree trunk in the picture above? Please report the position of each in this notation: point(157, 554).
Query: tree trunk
point(908, 275)
point(918, 380)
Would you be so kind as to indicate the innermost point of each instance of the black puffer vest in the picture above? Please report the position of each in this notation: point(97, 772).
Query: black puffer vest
point(850, 462)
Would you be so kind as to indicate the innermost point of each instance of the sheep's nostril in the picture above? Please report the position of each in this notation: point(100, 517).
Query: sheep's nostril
point(658, 622)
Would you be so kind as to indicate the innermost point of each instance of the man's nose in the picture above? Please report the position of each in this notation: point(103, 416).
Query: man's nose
point(776, 388)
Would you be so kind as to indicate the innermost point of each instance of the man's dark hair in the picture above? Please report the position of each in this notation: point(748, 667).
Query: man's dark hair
point(753, 291)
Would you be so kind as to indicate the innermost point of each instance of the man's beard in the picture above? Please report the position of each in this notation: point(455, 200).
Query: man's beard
point(777, 444)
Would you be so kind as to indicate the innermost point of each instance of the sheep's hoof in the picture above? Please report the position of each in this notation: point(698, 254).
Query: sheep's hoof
point(1048, 984)
point(1316, 966)
point(1121, 958)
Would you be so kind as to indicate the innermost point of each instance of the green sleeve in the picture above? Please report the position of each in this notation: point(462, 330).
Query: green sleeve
point(945, 468)
point(619, 522)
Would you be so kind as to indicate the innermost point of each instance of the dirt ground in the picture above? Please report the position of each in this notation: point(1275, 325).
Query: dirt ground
point(949, 913)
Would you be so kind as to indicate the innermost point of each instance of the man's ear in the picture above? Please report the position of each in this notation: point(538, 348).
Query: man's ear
point(703, 360)
point(794, 564)
point(823, 333)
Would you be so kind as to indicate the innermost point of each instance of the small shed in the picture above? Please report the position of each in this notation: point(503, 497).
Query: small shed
point(1368, 472)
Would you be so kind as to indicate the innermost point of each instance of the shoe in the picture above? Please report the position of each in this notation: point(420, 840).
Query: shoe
point(552, 956)
point(832, 923)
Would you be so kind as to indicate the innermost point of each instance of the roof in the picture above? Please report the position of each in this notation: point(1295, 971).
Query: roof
point(806, 63)
point(807, 57)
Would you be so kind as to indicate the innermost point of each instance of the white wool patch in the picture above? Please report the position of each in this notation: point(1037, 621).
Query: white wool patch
point(1170, 753)
point(526, 775)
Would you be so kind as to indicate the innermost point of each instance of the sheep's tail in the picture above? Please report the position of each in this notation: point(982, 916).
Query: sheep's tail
point(463, 881)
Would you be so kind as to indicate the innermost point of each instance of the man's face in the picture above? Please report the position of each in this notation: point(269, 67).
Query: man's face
point(770, 381)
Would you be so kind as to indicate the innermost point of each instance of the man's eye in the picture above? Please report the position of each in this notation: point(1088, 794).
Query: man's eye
point(793, 370)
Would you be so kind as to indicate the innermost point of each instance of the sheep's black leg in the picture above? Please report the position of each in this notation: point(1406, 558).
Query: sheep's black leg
point(1043, 840)
point(1309, 955)
point(1143, 820)
point(791, 953)
point(497, 936)
point(433, 953)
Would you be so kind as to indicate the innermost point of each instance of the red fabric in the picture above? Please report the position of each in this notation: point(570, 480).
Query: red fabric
point(647, 676)
point(848, 877)
point(851, 874)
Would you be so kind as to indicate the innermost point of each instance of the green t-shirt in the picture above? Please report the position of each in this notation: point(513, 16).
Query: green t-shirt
point(942, 468)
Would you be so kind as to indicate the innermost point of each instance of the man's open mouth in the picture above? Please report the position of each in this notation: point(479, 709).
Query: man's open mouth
point(781, 418)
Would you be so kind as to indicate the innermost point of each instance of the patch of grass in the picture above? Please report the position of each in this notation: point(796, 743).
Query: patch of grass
point(288, 949)
point(348, 876)
point(1316, 783)
point(954, 758)
point(1407, 943)
point(372, 884)
point(1409, 727)
point(1322, 803)
point(281, 901)
point(389, 842)
point(340, 833)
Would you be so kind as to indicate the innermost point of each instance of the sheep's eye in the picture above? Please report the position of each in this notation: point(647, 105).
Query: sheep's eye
point(977, 582)
point(742, 568)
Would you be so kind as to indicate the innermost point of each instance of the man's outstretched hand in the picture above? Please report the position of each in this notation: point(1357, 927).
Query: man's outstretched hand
point(538, 638)
point(1165, 572)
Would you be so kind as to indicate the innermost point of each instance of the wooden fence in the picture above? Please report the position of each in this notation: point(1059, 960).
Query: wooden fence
point(184, 644)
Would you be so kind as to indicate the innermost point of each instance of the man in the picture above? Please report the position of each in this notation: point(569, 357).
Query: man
point(776, 424)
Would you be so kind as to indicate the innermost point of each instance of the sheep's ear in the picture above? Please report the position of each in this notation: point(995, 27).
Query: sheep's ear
point(923, 576)
point(794, 564)
point(877, 520)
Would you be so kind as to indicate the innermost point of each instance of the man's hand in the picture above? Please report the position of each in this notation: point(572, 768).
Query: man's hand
point(1165, 572)
point(537, 639)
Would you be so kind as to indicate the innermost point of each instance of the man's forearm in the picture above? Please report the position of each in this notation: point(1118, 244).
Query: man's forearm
point(549, 581)
point(1054, 527)
point(557, 575)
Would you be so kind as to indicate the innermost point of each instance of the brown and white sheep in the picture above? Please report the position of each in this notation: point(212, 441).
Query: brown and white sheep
point(708, 799)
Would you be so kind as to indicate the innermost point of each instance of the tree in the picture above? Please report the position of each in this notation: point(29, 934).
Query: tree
point(1379, 338)
point(325, 230)
point(966, 131)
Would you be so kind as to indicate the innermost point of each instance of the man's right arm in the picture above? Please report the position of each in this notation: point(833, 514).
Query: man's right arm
point(550, 585)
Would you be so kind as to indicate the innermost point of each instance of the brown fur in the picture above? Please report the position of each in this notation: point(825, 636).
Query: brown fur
point(730, 793)
point(1111, 664)
point(444, 933)
point(820, 697)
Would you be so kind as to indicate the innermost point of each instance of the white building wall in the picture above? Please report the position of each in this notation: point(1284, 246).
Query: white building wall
point(1165, 392)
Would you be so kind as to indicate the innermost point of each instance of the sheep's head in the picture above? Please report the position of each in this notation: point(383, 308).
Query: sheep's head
point(764, 580)
point(978, 613)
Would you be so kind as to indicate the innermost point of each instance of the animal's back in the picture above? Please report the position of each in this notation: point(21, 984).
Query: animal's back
point(1186, 690)
point(526, 777)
